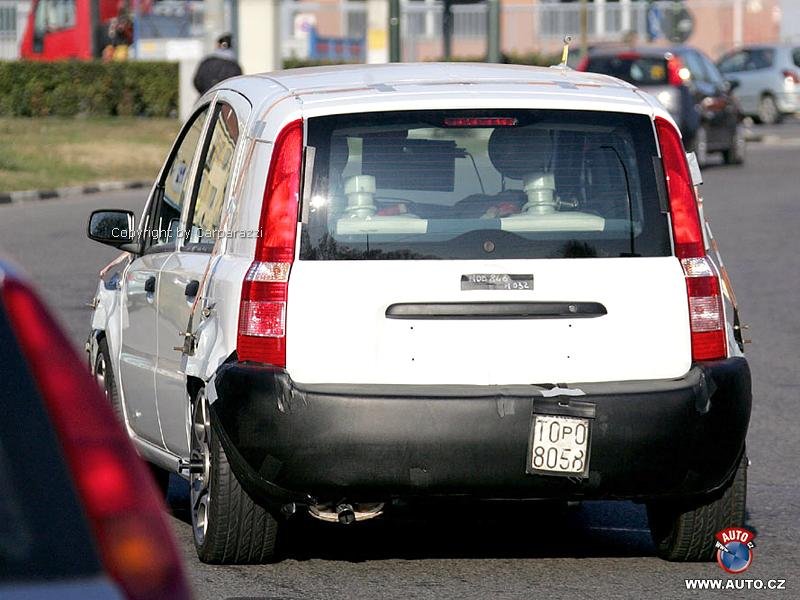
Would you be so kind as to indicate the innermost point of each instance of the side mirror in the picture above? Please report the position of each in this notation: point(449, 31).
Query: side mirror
point(115, 228)
point(733, 84)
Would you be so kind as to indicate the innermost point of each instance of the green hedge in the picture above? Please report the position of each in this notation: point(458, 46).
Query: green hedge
point(34, 89)
point(530, 58)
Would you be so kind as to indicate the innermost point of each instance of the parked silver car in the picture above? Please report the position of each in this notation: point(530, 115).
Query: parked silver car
point(768, 79)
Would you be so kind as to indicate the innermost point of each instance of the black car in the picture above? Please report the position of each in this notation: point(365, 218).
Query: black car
point(690, 87)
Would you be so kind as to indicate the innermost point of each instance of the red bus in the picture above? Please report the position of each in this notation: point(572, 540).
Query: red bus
point(74, 29)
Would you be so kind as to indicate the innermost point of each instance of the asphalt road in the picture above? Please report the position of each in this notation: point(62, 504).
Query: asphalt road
point(597, 550)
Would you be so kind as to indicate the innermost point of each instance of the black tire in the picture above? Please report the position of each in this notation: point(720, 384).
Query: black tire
point(685, 532)
point(236, 530)
point(108, 382)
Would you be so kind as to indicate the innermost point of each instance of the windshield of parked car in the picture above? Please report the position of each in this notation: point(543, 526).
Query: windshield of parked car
point(482, 184)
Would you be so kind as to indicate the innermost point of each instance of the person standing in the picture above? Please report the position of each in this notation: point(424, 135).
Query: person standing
point(217, 66)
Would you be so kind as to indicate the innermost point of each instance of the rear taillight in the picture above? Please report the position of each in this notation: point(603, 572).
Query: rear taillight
point(262, 312)
point(116, 490)
point(677, 74)
point(706, 315)
point(790, 79)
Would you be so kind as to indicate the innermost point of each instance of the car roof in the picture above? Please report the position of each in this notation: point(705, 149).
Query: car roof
point(643, 50)
point(400, 86)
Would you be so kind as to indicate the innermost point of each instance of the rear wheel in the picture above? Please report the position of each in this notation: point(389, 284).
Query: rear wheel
point(685, 532)
point(228, 527)
point(768, 112)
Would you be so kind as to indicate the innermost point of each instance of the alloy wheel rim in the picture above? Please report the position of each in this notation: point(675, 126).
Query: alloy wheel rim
point(200, 481)
point(100, 373)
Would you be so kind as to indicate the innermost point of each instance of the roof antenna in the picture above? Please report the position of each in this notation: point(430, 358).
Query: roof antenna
point(565, 52)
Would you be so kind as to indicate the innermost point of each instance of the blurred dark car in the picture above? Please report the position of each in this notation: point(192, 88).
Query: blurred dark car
point(768, 77)
point(80, 516)
point(690, 87)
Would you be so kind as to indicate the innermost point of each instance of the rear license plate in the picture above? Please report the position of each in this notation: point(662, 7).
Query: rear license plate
point(559, 445)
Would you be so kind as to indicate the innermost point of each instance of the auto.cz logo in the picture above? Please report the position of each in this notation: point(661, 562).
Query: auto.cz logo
point(734, 549)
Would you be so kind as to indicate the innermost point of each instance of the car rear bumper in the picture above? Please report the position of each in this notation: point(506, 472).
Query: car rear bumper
point(288, 442)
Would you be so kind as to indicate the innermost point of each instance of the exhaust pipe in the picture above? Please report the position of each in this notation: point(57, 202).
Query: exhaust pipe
point(345, 514)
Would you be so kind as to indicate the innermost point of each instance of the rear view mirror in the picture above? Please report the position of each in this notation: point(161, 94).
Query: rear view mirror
point(115, 228)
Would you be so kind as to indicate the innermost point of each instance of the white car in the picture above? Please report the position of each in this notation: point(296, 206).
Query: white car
point(352, 285)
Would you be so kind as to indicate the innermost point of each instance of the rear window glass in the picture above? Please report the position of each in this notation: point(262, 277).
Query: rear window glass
point(482, 184)
point(642, 70)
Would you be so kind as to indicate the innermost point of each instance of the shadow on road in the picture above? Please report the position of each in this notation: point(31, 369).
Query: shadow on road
point(466, 530)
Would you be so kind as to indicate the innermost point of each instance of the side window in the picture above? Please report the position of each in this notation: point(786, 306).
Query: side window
point(214, 174)
point(53, 15)
point(733, 63)
point(796, 57)
point(762, 58)
point(175, 188)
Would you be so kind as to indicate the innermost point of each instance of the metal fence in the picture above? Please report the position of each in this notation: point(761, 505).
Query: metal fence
point(535, 27)
point(13, 17)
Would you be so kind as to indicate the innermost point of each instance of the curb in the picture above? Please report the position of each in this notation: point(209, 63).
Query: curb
point(102, 186)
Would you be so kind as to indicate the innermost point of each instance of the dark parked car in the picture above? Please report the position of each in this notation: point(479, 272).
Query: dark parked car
point(689, 86)
point(80, 517)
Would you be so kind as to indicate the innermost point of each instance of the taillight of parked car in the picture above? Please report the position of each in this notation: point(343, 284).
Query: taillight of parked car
point(706, 314)
point(124, 510)
point(677, 74)
point(790, 79)
point(262, 311)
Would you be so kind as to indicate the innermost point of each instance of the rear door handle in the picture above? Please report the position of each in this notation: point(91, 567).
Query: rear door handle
point(150, 284)
point(191, 289)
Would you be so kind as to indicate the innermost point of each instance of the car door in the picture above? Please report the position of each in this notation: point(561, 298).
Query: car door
point(139, 336)
point(183, 273)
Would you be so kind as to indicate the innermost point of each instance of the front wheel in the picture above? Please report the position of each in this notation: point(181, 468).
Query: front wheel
point(228, 527)
point(685, 532)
